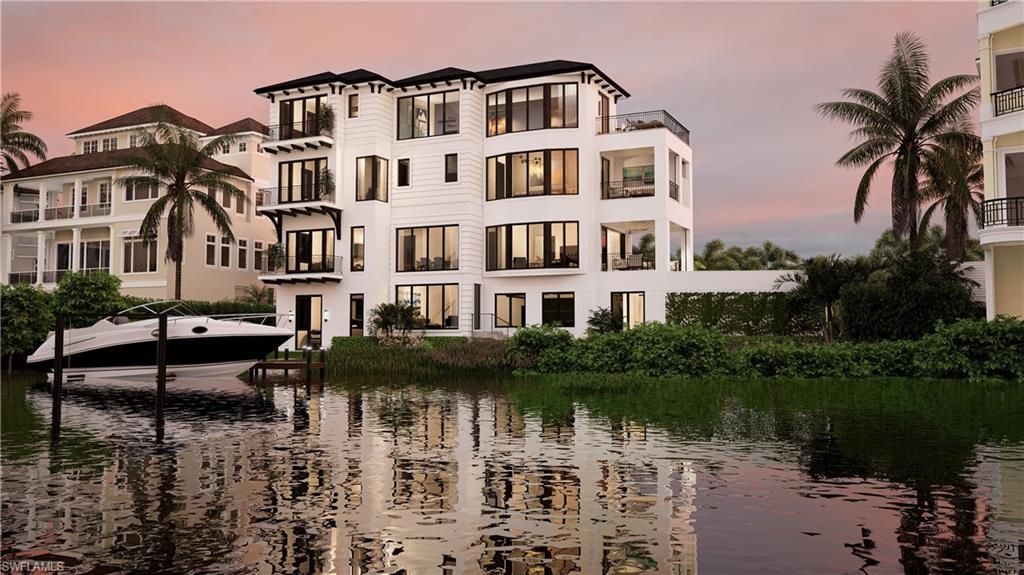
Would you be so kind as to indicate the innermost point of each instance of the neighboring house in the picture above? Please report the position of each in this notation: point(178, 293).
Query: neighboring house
point(491, 200)
point(66, 214)
point(1001, 62)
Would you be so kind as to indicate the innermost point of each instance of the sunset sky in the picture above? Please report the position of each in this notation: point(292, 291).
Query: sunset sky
point(743, 77)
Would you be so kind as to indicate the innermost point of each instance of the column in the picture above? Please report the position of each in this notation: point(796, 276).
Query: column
point(44, 200)
point(40, 256)
point(76, 250)
point(110, 257)
point(6, 240)
point(990, 282)
point(77, 198)
point(985, 70)
point(989, 167)
point(8, 199)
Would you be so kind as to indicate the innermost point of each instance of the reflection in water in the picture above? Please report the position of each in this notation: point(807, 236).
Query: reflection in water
point(523, 478)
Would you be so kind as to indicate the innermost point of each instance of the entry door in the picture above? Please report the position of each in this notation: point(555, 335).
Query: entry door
point(309, 318)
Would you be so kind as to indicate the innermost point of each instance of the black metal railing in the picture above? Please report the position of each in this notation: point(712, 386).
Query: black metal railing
point(642, 121)
point(1008, 101)
point(998, 2)
point(93, 210)
point(23, 216)
point(1002, 212)
point(673, 190)
point(61, 213)
point(627, 189)
point(302, 265)
point(21, 277)
point(616, 261)
point(292, 194)
point(298, 130)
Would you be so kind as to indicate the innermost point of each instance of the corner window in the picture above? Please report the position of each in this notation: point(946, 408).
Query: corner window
point(535, 173)
point(558, 308)
point(358, 249)
point(427, 115)
point(532, 108)
point(534, 245)
point(509, 310)
point(437, 304)
point(404, 173)
point(353, 105)
point(430, 248)
point(451, 168)
point(371, 179)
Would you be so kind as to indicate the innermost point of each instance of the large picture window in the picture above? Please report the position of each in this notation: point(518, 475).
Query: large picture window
point(302, 180)
point(358, 257)
point(534, 245)
point(426, 115)
point(300, 117)
point(438, 304)
point(311, 251)
point(558, 308)
point(509, 310)
point(371, 179)
point(139, 255)
point(536, 173)
point(630, 305)
point(532, 108)
point(428, 248)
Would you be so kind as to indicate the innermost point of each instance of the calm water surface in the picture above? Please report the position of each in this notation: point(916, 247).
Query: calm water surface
point(522, 477)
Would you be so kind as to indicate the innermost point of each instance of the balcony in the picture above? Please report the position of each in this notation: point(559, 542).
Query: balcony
point(24, 216)
point(1002, 212)
point(628, 246)
point(294, 201)
point(53, 276)
point(21, 277)
point(267, 197)
point(1008, 101)
point(627, 189)
point(309, 135)
point(620, 261)
point(60, 213)
point(94, 210)
point(642, 121)
point(302, 269)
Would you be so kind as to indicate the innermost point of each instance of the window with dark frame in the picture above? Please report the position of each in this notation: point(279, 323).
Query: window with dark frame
point(404, 173)
point(310, 251)
point(355, 312)
point(302, 180)
point(300, 117)
point(225, 252)
point(371, 179)
point(358, 249)
point(257, 255)
point(451, 168)
point(533, 245)
point(429, 248)
point(211, 250)
point(139, 255)
point(438, 304)
point(630, 305)
point(353, 105)
point(533, 173)
point(509, 310)
point(536, 107)
point(426, 115)
point(558, 308)
point(243, 254)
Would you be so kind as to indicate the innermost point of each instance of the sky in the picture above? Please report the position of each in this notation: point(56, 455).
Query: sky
point(743, 77)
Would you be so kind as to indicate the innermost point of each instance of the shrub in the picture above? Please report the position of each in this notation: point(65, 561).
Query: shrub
point(529, 343)
point(604, 320)
point(462, 354)
point(772, 313)
point(975, 349)
point(87, 298)
point(432, 355)
point(25, 319)
point(387, 318)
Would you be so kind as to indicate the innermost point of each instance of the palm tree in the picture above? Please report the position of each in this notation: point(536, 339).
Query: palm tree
point(820, 282)
point(715, 256)
point(907, 120)
point(172, 158)
point(776, 257)
point(954, 180)
point(257, 295)
point(15, 145)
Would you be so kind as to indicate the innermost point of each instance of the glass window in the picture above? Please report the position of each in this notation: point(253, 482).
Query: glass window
point(510, 310)
point(371, 178)
point(239, 205)
point(355, 312)
point(95, 254)
point(519, 107)
point(437, 304)
point(225, 252)
point(404, 118)
point(211, 250)
point(630, 305)
point(311, 251)
point(451, 168)
point(300, 117)
point(536, 108)
point(140, 192)
point(496, 174)
point(302, 180)
point(257, 256)
point(533, 108)
point(403, 172)
point(241, 146)
point(353, 105)
point(428, 248)
point(535, 245)
point(556, 106)
point(519, 174)
point(139, 255)
point(358, 249)
point(428, 115)
point(558, 308)
point(243, 254)
point(533, 174)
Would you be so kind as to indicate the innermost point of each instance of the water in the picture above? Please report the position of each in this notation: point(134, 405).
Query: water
point(521, 477)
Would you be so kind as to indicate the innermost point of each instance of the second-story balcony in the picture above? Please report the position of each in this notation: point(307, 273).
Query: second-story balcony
point(94, 210)
point(639, 188)
point(642, 121)
point(60, 213)
point(1008, 101)
point(302, 269)
point(299, 136)
point(24, 216)
point(1002, 212)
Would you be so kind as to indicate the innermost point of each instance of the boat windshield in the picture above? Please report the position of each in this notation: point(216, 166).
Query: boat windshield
point(169, 307)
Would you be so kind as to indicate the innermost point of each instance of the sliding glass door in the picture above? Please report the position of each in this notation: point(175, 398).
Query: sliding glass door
point(309, 317)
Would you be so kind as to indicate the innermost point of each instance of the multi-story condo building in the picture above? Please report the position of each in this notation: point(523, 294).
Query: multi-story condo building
point(68, 214)
point(490, 199)
point(1001, 63)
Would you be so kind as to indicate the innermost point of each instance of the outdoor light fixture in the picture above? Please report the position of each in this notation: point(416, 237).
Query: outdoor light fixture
point(291, 316)
point(327, 315)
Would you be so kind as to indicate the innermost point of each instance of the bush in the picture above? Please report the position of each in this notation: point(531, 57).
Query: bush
point(222, 307)
point(387, 318)
point(432, 355)
point(604, 320)
point(25, 319)
point(975, 349)
point(87, 298)
point(772, 313)
point(529, 343)
point(462, 354)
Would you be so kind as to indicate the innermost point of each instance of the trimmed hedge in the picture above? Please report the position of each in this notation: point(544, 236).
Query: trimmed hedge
point(769, 313)
point(430, 356)
point(221, 307)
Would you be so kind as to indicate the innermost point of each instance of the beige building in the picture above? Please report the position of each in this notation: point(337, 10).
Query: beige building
point(1001, 63)
point(67, 214)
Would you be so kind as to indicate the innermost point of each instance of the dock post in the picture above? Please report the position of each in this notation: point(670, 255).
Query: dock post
point(323, 364)
point(161, 375)
point(309, 364)
point(58, 377)
point(275, 353)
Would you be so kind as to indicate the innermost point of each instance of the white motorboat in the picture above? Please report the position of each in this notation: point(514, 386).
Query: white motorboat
point(197, 346)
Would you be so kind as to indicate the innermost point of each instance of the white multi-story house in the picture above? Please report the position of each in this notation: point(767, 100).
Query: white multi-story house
point(67, 214)
point(491, 200)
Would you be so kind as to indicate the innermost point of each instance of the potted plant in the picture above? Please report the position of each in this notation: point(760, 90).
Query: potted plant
point(326, 184)
point(325, 120)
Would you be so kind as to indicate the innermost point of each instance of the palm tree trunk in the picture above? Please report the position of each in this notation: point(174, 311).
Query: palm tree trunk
point(177, 268)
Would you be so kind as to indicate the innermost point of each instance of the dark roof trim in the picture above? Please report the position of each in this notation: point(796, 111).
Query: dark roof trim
point(321, 78)
point(103, 161)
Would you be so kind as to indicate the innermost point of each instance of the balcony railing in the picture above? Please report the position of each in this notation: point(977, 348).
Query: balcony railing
point(53, 276)
point(621, 261)
point(21, 277)
point(1002, 212)
point(998, 2)
point(1008, 101)
point(642, 121)
point(93, 210)
point(627, 189)
point(303, 265)
point(292, 194)
point(297, 130)
point(61, 213)
point(24, 216)
point(673, 190)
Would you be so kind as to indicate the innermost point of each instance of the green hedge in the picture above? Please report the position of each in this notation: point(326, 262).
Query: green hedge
point(221, 307)
point(433, 355)
point(770, 313)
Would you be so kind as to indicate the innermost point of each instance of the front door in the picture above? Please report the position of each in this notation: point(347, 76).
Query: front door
point(309, 317)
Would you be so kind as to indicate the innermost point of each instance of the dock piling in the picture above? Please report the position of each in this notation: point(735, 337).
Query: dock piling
point(161, 374)
point(58, 377)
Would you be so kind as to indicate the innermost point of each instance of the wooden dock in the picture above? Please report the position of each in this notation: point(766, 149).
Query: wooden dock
point(310, 360)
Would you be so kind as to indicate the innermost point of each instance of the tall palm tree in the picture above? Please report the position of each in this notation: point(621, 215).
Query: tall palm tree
point(775, 257)
point(15, 145)
point(908, 119)
point(173, 159)
point(954, 180)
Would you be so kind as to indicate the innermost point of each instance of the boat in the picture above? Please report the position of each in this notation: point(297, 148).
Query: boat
point(197, 345)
